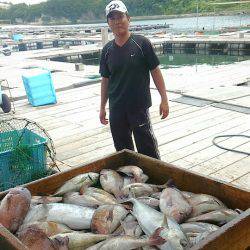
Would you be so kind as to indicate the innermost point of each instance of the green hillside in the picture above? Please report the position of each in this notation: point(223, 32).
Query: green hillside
point(78, 11)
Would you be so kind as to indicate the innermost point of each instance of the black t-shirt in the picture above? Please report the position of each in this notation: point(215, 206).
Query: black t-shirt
point(127, 68)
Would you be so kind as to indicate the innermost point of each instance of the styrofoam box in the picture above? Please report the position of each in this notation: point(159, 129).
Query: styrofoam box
point(39, 87)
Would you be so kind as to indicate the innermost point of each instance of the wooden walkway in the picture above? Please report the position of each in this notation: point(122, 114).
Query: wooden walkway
point(185, 138)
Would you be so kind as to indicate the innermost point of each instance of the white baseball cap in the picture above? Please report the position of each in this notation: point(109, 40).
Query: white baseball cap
point(116, 6)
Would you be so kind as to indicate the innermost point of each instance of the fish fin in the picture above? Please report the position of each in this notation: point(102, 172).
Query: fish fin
point(165, 221)
point(110, 215)
point(82, 189)
point(128, 227)
point(155, 239)
point(126, 203)
point(82, 179)
point(8, 201)
point(131, 193)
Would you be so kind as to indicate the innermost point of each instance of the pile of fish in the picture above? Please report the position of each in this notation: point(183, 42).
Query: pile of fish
point(112, 210)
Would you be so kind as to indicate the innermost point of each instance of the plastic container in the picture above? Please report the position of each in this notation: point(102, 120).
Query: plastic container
point(17, 37)
point(39, 87)
point(22, 157)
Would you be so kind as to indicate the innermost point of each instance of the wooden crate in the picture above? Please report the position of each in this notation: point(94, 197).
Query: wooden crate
point(234, 235)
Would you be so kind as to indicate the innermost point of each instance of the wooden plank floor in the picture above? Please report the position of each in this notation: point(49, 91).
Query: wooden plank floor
point(185, 138)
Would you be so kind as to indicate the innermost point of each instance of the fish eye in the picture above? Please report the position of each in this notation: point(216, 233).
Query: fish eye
point(183, 242)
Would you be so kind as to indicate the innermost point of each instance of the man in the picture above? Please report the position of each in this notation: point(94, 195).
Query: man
point(125, 65)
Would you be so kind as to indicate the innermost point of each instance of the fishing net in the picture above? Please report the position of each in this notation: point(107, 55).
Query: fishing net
point(27, 152)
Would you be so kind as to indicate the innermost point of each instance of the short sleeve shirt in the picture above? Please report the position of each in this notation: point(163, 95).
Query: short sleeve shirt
point(128, 69)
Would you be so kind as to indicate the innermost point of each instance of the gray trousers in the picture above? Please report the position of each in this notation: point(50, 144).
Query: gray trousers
point(125, 123)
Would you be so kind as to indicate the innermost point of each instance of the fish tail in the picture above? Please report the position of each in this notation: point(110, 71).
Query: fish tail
point(82, 189)
point(155, 239)
point(121, 197)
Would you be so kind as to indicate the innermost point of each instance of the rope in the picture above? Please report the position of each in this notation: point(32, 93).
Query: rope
point(229, 149)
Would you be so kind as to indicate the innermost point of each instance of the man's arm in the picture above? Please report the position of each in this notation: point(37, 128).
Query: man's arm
point(160, 85)
point(104, 99)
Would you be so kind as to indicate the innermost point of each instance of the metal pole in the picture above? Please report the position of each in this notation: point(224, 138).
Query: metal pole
point(197, 14)
point(214, 20)
point(240, 14)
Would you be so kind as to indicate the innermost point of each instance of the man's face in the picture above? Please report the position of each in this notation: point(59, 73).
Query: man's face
point(118, 22)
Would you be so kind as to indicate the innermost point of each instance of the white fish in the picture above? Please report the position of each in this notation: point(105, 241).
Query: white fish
point(111, 182)
point(50, 228)
point(173, 203)
point(75, 217)
point(150, 201)
point(78, 182)
point(138, 189)
point(196, 238)
point(219, 217)
point(134, 172)
point(101, 195)
point(128, 242)
point(198, 227)
point(107, 218)
point(204, 203)
point(35, 200)
point(35, 239)
point(170, 230)
point(79, 241)
point(14, 207)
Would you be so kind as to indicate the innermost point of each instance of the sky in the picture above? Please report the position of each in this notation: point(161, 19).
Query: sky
point(23, 1)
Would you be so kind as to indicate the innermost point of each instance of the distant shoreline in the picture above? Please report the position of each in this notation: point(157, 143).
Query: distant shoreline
point(141, 18)
point(158, 17)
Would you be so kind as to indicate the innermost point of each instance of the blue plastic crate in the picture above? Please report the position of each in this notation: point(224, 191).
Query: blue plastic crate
point(39, 87)
point(22, 157)
point(17, 37)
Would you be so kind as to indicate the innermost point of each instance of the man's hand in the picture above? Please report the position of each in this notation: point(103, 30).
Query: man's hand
point(102, 117)
point(160, 85)
point(164, 109)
